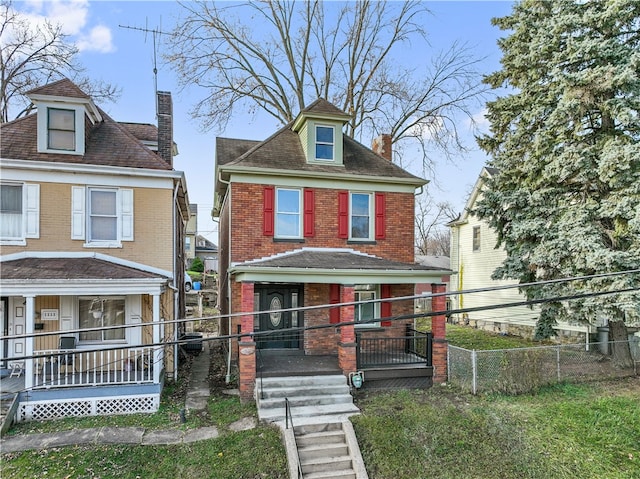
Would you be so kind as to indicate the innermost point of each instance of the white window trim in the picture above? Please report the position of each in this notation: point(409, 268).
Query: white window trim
point(43, 128)
point(376, 306)
point(370, 237)
point(30, 215)
point(300, 214)
point(132, 315)
point(316, 142)
point(80, 216)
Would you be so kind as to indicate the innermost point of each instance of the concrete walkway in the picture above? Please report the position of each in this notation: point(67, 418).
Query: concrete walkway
point(196, 399)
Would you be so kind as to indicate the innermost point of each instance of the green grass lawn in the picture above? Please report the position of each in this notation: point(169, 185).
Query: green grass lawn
point(565, 431)
point(471, 338)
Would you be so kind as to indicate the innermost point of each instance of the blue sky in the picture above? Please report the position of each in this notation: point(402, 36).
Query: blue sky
point(125, 57)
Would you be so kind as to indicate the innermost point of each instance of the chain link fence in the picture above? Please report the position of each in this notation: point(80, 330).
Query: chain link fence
point(517, 371)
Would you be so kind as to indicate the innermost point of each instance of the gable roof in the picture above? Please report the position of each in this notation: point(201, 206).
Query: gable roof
point(63, 87)
point(486, 172)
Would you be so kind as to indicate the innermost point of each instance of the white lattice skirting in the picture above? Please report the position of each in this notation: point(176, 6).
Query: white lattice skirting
point(94, 406)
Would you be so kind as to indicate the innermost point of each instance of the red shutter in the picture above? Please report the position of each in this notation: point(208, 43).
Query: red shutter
point(309, 207)
point(385, 306)
point(343, 214)
point(267, 211)
point(380, 216)
point(334, 298)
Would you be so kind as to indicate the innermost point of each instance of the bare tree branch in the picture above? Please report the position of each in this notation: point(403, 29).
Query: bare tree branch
point(31, 56)
point(347, 53)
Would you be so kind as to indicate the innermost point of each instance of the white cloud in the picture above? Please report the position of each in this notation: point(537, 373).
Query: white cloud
point(73, 17)
point(479, 121)
point(98, 40)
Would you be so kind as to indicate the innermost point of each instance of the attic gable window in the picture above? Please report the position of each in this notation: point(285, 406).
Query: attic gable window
point(61, 128)
point(325, 140)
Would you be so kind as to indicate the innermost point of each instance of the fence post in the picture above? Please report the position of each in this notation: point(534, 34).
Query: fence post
point(474, 372)
point(558, 361)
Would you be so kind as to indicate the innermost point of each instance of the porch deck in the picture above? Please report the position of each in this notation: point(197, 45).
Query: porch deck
point(274, 363)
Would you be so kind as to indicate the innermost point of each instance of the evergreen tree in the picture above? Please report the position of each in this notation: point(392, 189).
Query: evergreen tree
point(566, 200)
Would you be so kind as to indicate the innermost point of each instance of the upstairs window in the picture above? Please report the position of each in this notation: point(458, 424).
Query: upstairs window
point(61, 128)
point(103, 217)
point(19, 212)
point(325, 143)
point(288, 209)
point(360, 216)
point(11, 211)
point(476, 238)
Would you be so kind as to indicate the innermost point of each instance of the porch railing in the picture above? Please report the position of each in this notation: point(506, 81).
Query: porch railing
point(415, 347)
point(73, 367)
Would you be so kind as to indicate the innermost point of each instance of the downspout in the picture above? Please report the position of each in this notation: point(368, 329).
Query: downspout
point(227, 378)
point(174, 287)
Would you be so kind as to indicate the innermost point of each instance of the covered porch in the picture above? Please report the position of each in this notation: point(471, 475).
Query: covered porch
point(77, 323)
point(353, 312)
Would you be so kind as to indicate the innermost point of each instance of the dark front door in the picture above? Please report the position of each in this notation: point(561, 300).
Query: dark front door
point(276, 324)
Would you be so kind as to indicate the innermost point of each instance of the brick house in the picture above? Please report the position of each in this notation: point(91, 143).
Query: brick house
point(93, 218)
point(310, 217)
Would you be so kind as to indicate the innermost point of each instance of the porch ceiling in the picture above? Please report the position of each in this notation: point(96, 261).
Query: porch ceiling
point(339, 265)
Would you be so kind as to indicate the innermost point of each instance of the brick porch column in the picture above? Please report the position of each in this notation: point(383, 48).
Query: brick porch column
point(438, 328)
point(246, 345)
point(347, 344)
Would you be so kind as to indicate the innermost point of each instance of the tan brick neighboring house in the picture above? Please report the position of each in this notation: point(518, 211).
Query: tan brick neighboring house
point(311, 217)
point(93, 218)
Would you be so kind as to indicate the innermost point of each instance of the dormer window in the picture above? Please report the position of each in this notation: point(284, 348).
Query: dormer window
point(61, 129)
point(325, 140)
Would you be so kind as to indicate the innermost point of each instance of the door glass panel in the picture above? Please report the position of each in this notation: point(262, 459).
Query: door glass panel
point(275, 316)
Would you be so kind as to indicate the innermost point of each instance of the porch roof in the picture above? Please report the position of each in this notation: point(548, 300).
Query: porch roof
point(334, 265)
point(75, 275)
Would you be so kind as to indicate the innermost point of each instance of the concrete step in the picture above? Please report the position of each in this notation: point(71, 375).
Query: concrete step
point(316, 428)
point(298, 381)
point(279, 402)
point(325, 464)
point(333, 474)
point(268, 392)
point(297, 412)
point(318, 438)
point(318, 451)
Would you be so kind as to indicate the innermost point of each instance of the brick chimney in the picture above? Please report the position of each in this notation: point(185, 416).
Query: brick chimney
point(165, 126)
point(382, 146)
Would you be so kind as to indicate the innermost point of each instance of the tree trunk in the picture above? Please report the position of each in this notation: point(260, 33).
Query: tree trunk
point(620, 349)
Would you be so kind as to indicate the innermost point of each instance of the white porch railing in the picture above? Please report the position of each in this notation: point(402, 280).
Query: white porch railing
point(74, 367)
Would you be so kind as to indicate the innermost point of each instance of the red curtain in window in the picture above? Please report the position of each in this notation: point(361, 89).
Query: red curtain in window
point(343, 214)
point(268, 199)
point(380, 215)
point(309, 213)
point(385, 306)
point(334, 298)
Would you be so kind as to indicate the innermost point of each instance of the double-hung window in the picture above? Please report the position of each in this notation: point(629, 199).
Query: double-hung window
point(325, 143)
point(365, 309)
point(97, 313)
point(288, 213)
point(19, 212)
point(61, 129)
point(102, 217)
point(476, 238)
point(360, 220)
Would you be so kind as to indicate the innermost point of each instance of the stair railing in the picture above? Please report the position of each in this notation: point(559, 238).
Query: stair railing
point(289, 420)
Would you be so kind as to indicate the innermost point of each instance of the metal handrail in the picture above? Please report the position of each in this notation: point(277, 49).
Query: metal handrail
point(289, 419)
point(260, 368)
point(414, 347)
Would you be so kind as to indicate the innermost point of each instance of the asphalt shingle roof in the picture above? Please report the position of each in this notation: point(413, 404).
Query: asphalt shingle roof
point(35, 269)
point(334, 259)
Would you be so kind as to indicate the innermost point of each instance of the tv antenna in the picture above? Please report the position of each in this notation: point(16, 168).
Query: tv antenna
point(155, 34)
